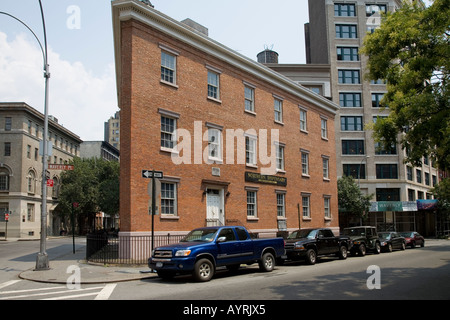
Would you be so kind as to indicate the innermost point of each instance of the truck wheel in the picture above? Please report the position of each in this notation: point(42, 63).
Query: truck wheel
point(203, 270)
point(311, 257)
point(343, 253)
point(267, 262)
point(362, 250)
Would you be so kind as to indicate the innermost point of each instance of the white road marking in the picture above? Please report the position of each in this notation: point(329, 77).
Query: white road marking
point(72, 296)
point(106, 292)
point(46, 293)
point(102, 293)
point(5, 284)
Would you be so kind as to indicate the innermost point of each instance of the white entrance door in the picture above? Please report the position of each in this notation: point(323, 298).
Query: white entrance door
point(214, 208)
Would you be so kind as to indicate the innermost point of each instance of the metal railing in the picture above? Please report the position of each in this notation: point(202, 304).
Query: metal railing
point(128, 250)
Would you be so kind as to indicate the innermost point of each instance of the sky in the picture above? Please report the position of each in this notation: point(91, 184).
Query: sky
point(81, 50)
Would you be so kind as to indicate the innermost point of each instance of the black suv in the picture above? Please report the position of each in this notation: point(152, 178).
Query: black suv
point(364, 239)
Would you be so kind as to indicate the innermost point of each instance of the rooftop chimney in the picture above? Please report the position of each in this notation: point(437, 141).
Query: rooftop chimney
point(196, 26)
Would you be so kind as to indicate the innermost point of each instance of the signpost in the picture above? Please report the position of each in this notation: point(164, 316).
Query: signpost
point(74, 205)
point(152, 174)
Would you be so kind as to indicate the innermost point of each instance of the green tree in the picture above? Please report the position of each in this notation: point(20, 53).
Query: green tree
point(93, 184)
point(351, 199)
point(411, 52)
point(108, 188)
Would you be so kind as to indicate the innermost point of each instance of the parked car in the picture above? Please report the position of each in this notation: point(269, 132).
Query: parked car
point(363, 238)
point(413, 239)
point(308, 244)
point(391, 240)
point(205, 249)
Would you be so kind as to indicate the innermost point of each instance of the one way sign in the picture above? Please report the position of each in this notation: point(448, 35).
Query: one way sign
point(152, 174)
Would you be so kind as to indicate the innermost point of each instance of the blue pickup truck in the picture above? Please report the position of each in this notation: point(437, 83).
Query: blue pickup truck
point(205, 249)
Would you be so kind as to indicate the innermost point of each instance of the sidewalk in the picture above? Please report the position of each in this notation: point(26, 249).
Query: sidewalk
point(90, 273)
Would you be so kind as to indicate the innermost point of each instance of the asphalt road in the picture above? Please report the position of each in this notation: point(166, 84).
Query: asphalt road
point(420, 273)
point(413, 274)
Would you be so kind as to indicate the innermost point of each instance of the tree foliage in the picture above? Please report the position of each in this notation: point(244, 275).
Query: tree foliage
point(442, 192)
point(93, 184)
point(351, 199)
point(411, 52)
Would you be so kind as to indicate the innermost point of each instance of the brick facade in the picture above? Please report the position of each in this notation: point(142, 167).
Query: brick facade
point(141, 34)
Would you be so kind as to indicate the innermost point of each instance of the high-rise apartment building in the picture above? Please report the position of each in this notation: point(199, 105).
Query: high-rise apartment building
point(112, 130)
point(334, 36)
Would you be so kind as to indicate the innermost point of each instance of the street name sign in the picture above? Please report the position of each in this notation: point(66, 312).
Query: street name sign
point(60, 167)
point(148, 174)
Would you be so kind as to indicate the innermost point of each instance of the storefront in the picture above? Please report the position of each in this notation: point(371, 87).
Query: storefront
point(401, 216)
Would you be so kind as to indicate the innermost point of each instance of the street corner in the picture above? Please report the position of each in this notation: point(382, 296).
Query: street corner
point(83, 273)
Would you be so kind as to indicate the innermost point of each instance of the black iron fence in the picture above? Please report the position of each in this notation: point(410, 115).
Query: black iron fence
point(124, 249)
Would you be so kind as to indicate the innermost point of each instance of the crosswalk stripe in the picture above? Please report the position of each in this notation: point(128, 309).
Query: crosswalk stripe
point(28, 290)
point(47, 293)
point(72, 296)
point(6, 284)
point(106, 292)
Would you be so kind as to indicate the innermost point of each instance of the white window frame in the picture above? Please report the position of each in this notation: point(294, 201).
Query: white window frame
point(327, 207)
point(324, 128)
point(326, 167)
point(217, 142)
point(174, 200)
point(213, 81)
point(280, 160)
point(252, 207)
point(168, 62)
point(278, 109)
point(171, 53)
point(173, 116)
point(306, 206)
point(305, 162)
point(250, 150)
point(303, 120)
point(281, 204)
point(249, 100)
point(172, 134)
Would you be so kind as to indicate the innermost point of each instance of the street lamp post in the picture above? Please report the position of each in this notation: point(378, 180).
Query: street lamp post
point(42, 257)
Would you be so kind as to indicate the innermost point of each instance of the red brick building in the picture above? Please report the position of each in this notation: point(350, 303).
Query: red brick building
point(237, 142)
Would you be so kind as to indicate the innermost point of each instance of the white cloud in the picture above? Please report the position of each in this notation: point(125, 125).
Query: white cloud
point(81, 100)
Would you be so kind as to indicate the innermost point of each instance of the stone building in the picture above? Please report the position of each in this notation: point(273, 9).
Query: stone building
point(21, 131)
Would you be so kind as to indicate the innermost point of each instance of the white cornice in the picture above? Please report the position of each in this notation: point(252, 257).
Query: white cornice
point(123, 10)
